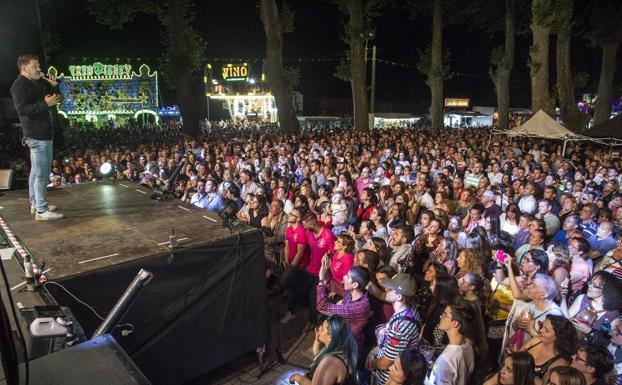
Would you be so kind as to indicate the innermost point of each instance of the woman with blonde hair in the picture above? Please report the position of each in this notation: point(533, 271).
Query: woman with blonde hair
point(469, 262)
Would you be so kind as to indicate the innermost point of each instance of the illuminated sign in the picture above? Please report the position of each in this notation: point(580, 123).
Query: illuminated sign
point(235, 72)
point(99, 71)
point(456, 102)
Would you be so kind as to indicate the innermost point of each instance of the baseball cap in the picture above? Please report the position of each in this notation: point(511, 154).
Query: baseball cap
point(401, 282)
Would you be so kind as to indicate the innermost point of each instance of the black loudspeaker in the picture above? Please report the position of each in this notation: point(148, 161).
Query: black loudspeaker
point(100, 361)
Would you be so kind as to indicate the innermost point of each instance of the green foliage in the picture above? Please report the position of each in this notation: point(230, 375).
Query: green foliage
point(532, 65)
point(543, 12)
point(580, 79)
point(286, 18)
point(50, 41)
point(342, 71)
point(116, 13)
point(185, 54)
point(604, 21)
point(291, 76)
point(425, 62)
point(190, 59)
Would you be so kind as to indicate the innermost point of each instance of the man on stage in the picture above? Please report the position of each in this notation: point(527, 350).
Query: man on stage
point(34, 96)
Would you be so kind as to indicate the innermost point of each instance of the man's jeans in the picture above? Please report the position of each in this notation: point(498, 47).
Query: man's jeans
point(41, 164)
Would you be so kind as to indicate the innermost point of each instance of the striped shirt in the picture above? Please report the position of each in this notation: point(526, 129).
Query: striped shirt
point(400, 333)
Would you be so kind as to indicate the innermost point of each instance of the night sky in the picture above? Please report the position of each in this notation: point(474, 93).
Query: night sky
point(232, 29)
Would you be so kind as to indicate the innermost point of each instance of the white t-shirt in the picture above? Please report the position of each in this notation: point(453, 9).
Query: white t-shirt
point(518, 307)
point(508, 226)
point(453, 366)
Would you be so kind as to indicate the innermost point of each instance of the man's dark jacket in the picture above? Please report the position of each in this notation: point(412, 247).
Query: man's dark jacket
point(34, 113)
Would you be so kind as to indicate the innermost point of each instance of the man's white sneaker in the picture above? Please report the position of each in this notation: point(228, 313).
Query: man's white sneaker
point(48, 216)
point(287, 317)
point(33, 209)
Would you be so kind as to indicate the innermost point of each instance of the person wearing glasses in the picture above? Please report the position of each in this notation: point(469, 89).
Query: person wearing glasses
point(600, 304)
point(612, 261)
point(594, 361)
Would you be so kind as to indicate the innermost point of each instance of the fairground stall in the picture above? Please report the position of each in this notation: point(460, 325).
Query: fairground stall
point(241, 90)
point(108, 93)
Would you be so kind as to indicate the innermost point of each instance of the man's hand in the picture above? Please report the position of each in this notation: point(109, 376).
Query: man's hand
point(371, 356)
point(52, 100)
point(51, 79)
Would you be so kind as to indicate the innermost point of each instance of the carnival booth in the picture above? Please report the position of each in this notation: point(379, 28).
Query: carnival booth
point(457, 114)
point(242, 92)
point(99, 92)
point(393, 120)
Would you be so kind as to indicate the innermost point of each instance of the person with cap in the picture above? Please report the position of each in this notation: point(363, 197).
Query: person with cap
point(400, 332)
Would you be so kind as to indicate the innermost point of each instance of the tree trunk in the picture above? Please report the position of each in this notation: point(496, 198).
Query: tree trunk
point(274, 67)
point(573, 119)
point(358, 66)
point(602, 106)
point(182, 80)
point(435, 76)
point(501, 78)
point(539, 56)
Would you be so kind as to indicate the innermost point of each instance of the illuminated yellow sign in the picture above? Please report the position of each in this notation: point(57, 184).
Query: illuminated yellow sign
point(235, 72)
point(456, 102)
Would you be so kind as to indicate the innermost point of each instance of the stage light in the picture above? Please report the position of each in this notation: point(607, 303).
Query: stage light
point(105, 169)
point(252, 81)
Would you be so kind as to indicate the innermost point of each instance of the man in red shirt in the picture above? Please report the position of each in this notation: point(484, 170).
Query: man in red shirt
point(301, 281)
point(296, 260)
point(321, 242)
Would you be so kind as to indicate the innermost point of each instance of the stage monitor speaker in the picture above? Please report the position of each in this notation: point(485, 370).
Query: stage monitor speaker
point(6, 179)
point(100, 361)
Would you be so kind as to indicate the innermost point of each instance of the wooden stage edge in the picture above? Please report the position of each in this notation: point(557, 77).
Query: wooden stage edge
point(106, 224)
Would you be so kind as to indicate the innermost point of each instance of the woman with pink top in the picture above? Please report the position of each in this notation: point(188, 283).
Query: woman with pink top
point(343, 259)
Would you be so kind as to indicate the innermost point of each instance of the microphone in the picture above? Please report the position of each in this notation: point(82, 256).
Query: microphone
point(43, 76)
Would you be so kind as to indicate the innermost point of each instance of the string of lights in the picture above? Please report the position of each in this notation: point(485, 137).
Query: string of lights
point(330, 57)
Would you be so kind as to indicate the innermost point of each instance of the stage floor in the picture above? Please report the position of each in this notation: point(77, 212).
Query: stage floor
point(106, 224)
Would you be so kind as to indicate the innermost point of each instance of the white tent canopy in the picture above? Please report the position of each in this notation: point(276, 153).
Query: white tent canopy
point(541, 125)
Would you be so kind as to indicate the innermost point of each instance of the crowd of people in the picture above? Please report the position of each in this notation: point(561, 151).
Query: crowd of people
point(423, 256)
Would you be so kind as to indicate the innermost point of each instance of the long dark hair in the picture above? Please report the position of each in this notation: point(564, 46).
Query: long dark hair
point(383, 249)
point(445, 292)
point(414, 366)
point(565, 336)
point(540, 258)
point(341, 341)
point(471, 324)
point(522, 368)
point(612, 290)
